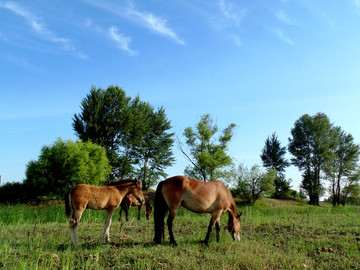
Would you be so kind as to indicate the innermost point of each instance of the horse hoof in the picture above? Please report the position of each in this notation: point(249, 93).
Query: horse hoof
point(204, 242)
point(174, 244)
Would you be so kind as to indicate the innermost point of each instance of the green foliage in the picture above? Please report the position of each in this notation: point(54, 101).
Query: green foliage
point(135, 136)
point(341, 171)
point(207, 154)
point(64, 164)
point(313, 139)
point(273, 156)
point(104, 120)
point(253, 183)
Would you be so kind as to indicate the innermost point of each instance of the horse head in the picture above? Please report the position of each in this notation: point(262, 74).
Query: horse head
point(137, 191)
point(234, 226)
point(148, 210)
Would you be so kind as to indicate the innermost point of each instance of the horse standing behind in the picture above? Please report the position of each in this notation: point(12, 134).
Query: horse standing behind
point(98, 198)
point(199, 197)
point(131, 201)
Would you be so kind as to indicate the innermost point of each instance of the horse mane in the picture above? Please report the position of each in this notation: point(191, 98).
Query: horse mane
point(121, 181)
point(232, 209)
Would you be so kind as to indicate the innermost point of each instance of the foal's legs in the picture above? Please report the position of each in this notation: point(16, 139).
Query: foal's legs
point(106, 234)
point(170, 220)
point(74, 222)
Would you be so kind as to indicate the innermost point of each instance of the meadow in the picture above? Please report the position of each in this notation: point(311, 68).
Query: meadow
point(275, 235)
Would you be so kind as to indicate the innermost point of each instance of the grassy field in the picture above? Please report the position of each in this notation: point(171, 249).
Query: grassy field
point(275, 235)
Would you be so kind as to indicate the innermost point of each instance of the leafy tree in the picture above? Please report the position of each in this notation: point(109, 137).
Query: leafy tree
point(311, 144)
point(64, 164)
point(273, 157)
point(207, 154)
point(351, 187)
point(104, 120)
point(253, 183)
point(135, 136)
point(341, 169)
point(153, 151)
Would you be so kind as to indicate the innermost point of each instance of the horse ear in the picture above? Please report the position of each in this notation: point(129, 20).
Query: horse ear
point(136, 179)
point(238, 217)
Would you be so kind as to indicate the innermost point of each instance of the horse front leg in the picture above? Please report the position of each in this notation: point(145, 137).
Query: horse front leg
point(215, 220)
point(217, 226)
point(106, 234)
point(139, 208)
point(210, 228)
point(170, 220)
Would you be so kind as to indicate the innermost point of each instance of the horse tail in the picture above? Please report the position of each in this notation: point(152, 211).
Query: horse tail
point(160, 210)
point(68, 205)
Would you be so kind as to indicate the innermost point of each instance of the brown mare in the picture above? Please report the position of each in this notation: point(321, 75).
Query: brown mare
point(106, 198)
point(199, 197)
point(131, 201)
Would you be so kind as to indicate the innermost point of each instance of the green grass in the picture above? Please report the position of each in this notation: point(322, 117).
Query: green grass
point(275, 235)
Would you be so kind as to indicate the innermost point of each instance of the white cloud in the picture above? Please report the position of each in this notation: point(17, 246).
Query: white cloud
point(280, 34)
point(231, 12)
point(121, 41)
point(154, 23)
point(357, 3)
point(40, 27)
point(146, 19)
point(282, 17)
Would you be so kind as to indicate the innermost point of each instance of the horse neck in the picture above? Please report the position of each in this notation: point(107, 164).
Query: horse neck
point(232, 210)
point(124, 188)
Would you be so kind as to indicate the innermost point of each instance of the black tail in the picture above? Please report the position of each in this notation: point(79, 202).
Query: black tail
point(68, 206)
point(160, 210)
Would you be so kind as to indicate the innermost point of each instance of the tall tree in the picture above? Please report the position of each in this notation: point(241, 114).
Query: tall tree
point(103, 119)
point(341, 169)
point(273, 157)
point(207, 154)
point(136, 137)
point(154, 150)
point(311, 144)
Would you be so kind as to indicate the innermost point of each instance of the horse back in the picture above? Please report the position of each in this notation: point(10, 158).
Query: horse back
point(197, 196)
point(94, 197)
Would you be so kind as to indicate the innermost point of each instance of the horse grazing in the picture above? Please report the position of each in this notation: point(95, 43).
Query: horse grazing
point(199, 197)
point(106, 198)
point(131, 201)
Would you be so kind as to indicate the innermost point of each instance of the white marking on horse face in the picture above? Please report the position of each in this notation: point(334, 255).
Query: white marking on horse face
point(237, 237)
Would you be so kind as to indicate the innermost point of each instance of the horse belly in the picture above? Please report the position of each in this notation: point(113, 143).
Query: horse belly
point(197, 204)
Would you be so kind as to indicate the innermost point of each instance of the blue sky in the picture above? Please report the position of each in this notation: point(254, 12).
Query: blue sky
point(258, 64)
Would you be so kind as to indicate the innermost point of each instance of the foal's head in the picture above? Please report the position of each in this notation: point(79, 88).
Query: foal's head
point(234, 225)
point(136, 191)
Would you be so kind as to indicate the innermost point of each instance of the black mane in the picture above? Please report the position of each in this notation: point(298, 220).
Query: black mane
point(121, 181)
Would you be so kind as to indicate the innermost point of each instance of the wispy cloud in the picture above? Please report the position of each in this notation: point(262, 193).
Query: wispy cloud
point(40, 27)
point(121, 41)
point(231, 12)
point(145, 19)
point(155, 23)
point(284, 18)
point(280, 34)
point(357, 3)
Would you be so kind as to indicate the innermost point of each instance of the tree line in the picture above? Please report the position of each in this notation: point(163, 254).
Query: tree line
point(124, 137)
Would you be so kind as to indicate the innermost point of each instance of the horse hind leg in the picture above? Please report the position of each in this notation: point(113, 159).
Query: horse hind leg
point(74, 223)
point(170, 220)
